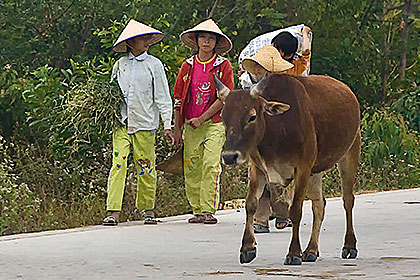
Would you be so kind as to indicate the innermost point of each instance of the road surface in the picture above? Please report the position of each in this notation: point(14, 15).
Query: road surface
point(387, 227)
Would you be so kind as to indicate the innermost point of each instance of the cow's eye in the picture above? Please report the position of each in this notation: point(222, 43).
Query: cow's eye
point(252, 118)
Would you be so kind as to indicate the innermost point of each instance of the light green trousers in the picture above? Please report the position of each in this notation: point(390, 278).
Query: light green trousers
point(202, 168)
point(143, 146)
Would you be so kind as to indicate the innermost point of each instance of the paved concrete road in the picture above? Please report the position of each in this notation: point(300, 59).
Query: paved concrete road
point(387, 228)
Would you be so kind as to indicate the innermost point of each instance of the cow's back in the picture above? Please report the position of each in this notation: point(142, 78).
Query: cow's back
point(336, 115)
point(333, 111)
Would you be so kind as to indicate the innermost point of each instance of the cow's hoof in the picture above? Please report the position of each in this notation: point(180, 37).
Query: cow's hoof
point(347, 253)
point(293, 260)
point(248, 256)
point(309, 257)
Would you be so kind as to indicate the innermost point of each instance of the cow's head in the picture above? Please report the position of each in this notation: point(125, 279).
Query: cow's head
point(243, 116)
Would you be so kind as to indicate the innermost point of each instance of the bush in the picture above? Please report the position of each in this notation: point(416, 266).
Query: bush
point(390, 152)
point(18, 203)
point(389, 159)
point(386, 137)
point(408, 105)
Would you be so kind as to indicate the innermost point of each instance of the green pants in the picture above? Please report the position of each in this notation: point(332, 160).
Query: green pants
point(275, 201)
point(202, 168)
point(143, 146)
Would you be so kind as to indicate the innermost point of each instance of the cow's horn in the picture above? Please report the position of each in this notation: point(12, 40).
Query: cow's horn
point(222, 90)
point(259, 87)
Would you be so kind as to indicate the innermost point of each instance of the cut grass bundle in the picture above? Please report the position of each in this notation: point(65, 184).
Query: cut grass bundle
point(89, 113)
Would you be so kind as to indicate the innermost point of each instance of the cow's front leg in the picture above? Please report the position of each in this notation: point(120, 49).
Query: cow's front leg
point(256, 185)
point(294, 256)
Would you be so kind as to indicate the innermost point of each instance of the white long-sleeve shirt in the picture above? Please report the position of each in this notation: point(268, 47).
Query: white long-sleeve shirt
point(143, 83)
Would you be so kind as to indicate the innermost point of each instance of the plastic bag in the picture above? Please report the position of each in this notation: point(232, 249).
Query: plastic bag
point(265, 39)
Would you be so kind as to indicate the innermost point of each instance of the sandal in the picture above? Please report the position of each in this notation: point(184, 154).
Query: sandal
point(196, 219)
point(110, 221)
point(150, 220)
point(261, 229)
point(209, 219)
point(282, 223)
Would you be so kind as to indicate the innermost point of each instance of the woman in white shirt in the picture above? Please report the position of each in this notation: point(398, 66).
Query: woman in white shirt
point(142, 80)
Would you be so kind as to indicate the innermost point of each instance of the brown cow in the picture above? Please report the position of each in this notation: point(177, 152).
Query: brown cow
point(293, 127)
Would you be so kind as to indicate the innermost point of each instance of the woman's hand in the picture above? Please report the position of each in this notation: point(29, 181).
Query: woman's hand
point(306, 45)
point(177, 137)
point(306, 30)
point(169, 136)
point(194, 122)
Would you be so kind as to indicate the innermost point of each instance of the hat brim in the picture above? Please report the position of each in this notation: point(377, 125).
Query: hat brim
point(121, 47)
point(250, 65)
point(188, 38)
point(268, 58)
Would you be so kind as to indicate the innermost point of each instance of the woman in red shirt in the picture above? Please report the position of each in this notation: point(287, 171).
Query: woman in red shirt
point(198, 109)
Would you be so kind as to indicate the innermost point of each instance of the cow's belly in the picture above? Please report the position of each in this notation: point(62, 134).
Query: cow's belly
point(336, 116)
point(333, 144)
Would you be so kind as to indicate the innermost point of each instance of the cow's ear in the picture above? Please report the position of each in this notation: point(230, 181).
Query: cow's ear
point(273, 108)
point(222, 90)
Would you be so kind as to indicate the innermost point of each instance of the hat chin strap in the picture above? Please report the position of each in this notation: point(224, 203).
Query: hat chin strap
point(272, 64)
point(131, 47)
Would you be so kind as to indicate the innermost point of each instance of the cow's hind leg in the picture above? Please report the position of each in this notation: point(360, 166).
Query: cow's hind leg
point(348, 170)
point(256, 185)
point(314, 192)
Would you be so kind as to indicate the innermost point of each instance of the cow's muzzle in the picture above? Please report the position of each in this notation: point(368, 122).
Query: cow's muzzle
point(230, 158)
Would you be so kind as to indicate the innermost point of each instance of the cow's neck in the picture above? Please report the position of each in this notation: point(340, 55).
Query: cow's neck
point(274, 172)
point(258, 160)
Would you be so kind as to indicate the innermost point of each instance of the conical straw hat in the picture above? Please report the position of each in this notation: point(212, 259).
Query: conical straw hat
point(188, 37)
point(134, 29)
point(269, 58)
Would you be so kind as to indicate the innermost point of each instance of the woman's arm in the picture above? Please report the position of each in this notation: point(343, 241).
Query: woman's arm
point(227, 80)
point(178, 88)
point(214, 108)
point(177, 129)
point(306, 45)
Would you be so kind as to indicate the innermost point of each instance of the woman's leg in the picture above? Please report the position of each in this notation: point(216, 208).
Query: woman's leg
point(211, 167)
point(193, 157)
point(118, 172)
point(144, 159)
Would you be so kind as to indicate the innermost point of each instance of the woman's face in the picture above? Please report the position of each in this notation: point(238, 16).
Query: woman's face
point(206, 41)
point(286, 57)
point(140, 44)
point(258, 71)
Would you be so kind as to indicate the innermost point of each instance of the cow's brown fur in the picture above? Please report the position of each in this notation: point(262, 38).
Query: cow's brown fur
point(320, 129)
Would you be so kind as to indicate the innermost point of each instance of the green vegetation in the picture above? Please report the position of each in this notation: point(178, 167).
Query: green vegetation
point(57, 105)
